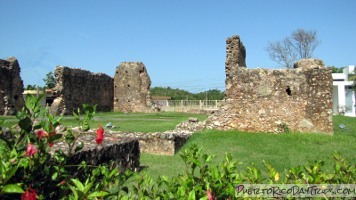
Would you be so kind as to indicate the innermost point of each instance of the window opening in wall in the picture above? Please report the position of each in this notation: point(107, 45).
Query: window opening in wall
point(289, 92)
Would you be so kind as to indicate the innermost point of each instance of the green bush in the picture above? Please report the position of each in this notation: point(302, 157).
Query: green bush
point(29, 169)
point(201, 180)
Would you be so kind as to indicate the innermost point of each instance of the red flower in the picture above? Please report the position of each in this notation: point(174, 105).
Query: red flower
point(41, 133)
point(31, 150)
point(209, 195)
point(29, 195)
point(100, 134)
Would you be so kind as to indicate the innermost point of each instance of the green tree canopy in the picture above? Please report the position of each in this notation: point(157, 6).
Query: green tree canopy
point(178, 94)
point(49, 80)
point(337, 69)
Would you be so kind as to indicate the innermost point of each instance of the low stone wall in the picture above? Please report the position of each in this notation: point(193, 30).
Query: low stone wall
point(159, 143)
point(126, 154)
point(162, 143)
point(165, 143)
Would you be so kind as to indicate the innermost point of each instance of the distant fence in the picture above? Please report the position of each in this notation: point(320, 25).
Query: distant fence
point(188, 105)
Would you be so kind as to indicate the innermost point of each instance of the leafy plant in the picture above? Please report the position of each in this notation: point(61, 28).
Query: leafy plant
point(284, 128)
point(29, 167)
point(201, 180)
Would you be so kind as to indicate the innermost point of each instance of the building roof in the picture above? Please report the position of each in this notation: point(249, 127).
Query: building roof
point(161, 98)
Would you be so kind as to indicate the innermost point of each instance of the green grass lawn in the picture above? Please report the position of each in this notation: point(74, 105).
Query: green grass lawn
point(131, 122)
point(281, 150)
point(145, 122)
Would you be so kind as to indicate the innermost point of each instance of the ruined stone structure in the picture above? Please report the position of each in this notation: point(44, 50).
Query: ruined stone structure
point(11, 87)
point(235, 59)
point(264, 100)
point(76, 86)
point(126, 154)
point(132, 88)
point(159, 143)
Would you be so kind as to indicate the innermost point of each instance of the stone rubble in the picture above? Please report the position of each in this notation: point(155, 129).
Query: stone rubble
point(162, 143)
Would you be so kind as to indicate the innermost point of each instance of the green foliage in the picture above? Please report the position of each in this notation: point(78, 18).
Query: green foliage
point(284, 128)
point(337, 69)
point(50, 81)
point(26, 160)
point(201, 176)
point(178, 94)
point(89, 112)
point(33, 87)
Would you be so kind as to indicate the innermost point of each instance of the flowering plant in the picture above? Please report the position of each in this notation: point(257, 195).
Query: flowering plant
point(100, 134)
point(29, 167)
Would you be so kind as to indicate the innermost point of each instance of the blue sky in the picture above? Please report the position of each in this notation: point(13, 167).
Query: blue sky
point(181, 42)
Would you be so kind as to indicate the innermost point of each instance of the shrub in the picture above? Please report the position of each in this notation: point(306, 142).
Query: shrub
point(201, 180)
point(29, 168)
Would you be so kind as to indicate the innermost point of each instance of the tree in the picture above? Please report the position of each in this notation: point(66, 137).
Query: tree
point(178, 94)
point(337, 69)
point(301, 44)
point(50, 81)
point(31, 87)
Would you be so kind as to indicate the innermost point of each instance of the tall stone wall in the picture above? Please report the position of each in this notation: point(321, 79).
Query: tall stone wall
point(265, 100)
point(132, 88)
point(76, 86)
point(11, 87)
point(235, 59)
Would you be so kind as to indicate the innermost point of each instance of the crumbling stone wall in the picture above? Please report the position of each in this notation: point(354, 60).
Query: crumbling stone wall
point(235, 59)
point(125, 154)
point(159, 143)
point(265, 100)
point(11, 87)
point(132, 88)
point(76, 86)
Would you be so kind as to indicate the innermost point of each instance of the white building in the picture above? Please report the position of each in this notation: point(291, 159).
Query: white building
point(343, 93)
point(45, 100)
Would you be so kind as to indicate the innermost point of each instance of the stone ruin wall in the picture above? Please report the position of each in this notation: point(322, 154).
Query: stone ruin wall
point(11, 87)
point(76, 87)
point(132, 88)
point(126, 154)
point(265, 100)
point(235, 59)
